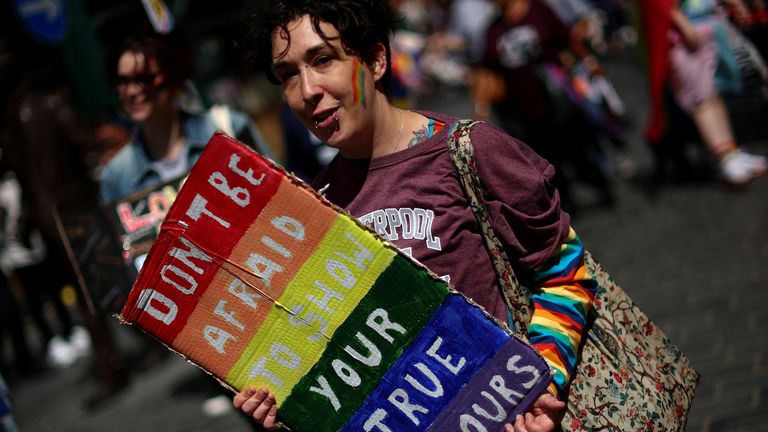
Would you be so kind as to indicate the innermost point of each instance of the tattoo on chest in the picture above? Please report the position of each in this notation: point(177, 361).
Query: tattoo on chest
point(419, 135)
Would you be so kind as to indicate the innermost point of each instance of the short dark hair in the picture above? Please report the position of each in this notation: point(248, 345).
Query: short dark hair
point(361, 24)
point(170, 51)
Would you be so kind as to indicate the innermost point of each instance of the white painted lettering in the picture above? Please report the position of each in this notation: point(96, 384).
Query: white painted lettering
point(217, 338)
point(259, 369)
point(373, 358)
point(238, 195)
point(148, 296)
point(248, 175)
point(328, 295)
point(297, 320)
point(240, 290)
point(192, 252)
point(186, 288)
point(399, 398)
point(529, 369)
point(466, 420)
point(339, 271)
point(326, 390)
point(445, 361)
point(228, 316)
point(497, 383)
point(500, 414)
point(263, 267)
point(437, 387)
point(277, 247)
point(361, 257)
point(284, 355)
point(198, 208)
point(376, 420)
point(379, 321)
point(289, 226)
point(346, 373)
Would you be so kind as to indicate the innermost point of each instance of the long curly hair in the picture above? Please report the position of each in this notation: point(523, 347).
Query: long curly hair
point(361, 25)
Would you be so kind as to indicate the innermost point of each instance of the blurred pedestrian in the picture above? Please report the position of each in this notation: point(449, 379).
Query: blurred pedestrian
point(701, 66)
point(41, 147)
point(151, 73)
point(529, 93)
point(332, 61)
point(7, 422)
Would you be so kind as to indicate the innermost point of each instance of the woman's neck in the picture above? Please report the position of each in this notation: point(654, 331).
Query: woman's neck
point(390, 132)
point(163, 135)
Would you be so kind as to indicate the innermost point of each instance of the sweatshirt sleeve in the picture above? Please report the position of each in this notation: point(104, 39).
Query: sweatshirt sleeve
point(564, 294)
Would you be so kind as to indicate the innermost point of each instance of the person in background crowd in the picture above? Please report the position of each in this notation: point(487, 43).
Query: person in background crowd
point(7, 423)
point(42, 148)
point(698, 49)
point(521, 79)
point(584, 22)
point(332, 61)
point(151, 72)
point(469, 19)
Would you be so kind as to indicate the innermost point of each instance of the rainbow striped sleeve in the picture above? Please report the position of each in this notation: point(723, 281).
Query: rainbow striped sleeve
point(565, 291)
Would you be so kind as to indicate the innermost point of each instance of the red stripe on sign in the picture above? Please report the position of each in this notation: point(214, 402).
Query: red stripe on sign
point(228, 188)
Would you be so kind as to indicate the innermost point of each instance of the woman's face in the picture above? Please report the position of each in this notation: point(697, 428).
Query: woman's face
point(331, 91)
point(140, 86)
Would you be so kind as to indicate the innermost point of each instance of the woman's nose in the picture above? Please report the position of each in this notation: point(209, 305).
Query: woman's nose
point(310, 88)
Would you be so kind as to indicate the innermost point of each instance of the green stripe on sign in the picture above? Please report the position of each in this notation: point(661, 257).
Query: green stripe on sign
point(383, 324)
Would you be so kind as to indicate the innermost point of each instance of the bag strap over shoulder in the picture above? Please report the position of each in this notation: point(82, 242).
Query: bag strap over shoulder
point(515, 295)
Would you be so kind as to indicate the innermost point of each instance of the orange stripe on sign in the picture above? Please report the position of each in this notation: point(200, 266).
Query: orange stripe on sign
point(275, 247)
point(225, 192)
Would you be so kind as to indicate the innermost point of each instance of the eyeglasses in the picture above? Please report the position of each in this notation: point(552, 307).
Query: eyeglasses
point(147, 80)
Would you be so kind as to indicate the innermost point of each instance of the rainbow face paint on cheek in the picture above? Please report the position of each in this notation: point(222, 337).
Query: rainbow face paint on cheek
point(358, 83)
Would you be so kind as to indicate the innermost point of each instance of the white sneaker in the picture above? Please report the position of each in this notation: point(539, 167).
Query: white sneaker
point(60, 353)
point(758, 163)
point(217, 406)
point(80, 341)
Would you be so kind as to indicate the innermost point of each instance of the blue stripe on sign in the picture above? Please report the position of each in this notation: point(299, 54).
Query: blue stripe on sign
point(452, 347)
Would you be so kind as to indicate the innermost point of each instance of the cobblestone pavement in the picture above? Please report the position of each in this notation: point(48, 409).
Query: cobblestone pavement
point(694, 257)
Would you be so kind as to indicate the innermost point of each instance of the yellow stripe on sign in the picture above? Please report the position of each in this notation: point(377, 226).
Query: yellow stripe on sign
point(325, 291)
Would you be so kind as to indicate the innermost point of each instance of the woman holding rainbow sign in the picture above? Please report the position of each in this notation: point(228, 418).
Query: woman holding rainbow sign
point(394, 173)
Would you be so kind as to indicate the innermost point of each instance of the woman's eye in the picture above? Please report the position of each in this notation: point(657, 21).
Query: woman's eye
point(286, 76)
point(322, 60)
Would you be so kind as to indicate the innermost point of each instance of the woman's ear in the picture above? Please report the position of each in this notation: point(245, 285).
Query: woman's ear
point(379, 64)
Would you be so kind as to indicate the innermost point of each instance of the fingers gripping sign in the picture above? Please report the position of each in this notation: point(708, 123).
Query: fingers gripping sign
point(259, 404)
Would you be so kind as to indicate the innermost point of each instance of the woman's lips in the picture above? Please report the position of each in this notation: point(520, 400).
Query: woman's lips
point(327, 119)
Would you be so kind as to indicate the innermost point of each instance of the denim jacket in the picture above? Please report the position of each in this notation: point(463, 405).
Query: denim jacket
point(129, 170)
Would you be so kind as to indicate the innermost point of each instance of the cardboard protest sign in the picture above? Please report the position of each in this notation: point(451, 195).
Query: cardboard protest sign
point(260, 282)
point(107, 244)
point(137, 218)
point(95, 256)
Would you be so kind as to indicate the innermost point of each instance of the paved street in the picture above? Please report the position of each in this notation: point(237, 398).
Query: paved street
point(694, 256)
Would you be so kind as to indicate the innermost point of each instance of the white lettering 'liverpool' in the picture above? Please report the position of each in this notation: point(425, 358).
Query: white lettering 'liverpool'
point(404, 223)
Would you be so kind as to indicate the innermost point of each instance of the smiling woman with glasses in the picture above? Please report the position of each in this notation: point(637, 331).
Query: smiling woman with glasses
point(150, 72)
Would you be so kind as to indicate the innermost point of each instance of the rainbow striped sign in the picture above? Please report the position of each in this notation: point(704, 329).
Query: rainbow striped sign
point(259, 281)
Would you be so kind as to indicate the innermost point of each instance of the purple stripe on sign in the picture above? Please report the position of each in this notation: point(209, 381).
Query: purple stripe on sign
point(454, 345)
point(505, 387)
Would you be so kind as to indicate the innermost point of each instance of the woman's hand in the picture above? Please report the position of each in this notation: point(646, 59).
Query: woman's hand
point(259, 404)
point(541, 417)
